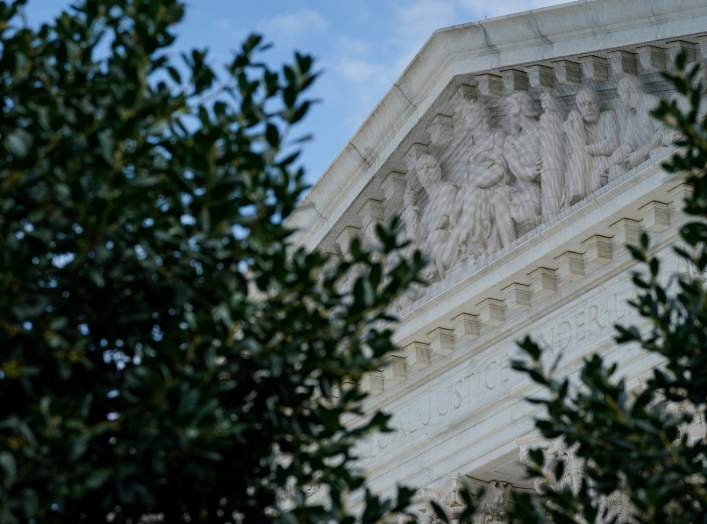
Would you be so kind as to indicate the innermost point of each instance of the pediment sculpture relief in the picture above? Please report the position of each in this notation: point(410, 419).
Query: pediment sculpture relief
point(506, 178)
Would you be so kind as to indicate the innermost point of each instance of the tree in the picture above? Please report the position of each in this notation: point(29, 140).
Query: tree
point(634, 446)
point(166, 350)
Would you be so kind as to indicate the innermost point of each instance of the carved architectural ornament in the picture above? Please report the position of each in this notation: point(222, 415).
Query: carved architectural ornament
point(513, 149)
point(492, 507)
point(614, 508)
point(505, 180)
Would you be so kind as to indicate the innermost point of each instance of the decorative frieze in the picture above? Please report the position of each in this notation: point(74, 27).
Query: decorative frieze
point(466, 326)
point(467, 92)
point(623, 62)
point(441, 131)
point(441, 341)
point(393, 186)
point(543, 281)
point(508, 150)
point(348, 233)
point(679, 195)
point(598, 251)
point(395, 370)
point(656, 216)
point(490, 84)
point(417, 355)
point(370, 214)
point(372, 382)
point(517, 296)
point(626, 231)
point(594, 67)
point(414, 153)
point(541, 76)
point(702, 48)
point(652, 58)
point(494, 506)
point(514, 80)
point(567, 71)
point(492, 312)
point(570, 265)
point(615, 508)
point(478, 186)
point(675, 47)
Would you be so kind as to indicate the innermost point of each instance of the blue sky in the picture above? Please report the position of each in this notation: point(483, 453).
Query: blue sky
point(362, 47)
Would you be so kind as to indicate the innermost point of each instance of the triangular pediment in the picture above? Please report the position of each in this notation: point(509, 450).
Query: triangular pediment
point(475, 158)
point(521, 156)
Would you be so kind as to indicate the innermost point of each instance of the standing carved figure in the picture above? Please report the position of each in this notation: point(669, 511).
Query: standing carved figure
point(411, 216)
point(411, 226)
point(641, 133)
point(593, 137)
point(522, 151)
point(485, 224)
point(552, 144)
point(438, 219)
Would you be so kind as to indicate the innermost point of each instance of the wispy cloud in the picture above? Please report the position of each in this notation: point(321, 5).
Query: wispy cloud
point(358, 70)
point(412, 23)
point(348, 45)
point(293, 24)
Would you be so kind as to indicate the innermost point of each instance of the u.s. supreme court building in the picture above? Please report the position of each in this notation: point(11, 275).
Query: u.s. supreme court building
point(520, 153)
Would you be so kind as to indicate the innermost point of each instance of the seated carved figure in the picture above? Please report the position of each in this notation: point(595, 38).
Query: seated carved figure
point(641, 133)
point(522, 152)
point(592, 139)
point(438, 218)
point(485, 224)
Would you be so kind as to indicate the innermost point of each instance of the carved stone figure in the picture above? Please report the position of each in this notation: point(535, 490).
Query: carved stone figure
point(421, 509)
point(411, 227)
point(411, 215)
point(617, 505)
point(501, 185)
point(453, 502)
point(494, 505)
point(486, 223)
point(574, 466)
point(552, 145)
point(555, 452)
point(592, 137)
point(439, 217)
point(616, 508)
point(522, 152)
point(641, 133)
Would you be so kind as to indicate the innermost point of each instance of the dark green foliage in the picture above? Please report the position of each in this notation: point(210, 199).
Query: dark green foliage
point(164, 349)
point(635, 442)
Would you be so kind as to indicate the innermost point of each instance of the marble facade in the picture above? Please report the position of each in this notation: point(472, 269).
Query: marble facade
point(521, 156)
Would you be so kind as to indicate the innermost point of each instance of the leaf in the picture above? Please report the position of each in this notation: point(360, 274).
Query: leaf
point(97, 478)
point(272, 135)
point(439, 512)
point(107, 146)
point(8, 465)
point(19, 143)
point(30, 502)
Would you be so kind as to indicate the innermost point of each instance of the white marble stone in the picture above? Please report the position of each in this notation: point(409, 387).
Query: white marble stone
point(521, 156)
